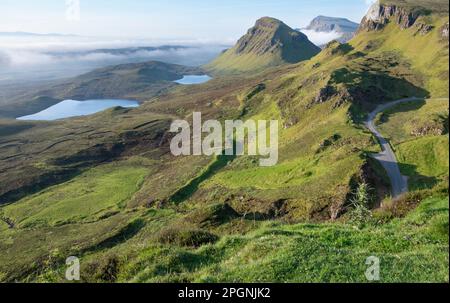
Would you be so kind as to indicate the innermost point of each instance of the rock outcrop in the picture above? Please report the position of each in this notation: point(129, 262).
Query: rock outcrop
point(423, 28)
point(444, 32)
point(341, 96)
point(379, 15)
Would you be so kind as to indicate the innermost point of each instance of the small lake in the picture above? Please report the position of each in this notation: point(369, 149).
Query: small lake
point(193, 79)
point(73, 108)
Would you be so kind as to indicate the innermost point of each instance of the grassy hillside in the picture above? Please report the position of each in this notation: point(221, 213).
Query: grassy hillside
point(411, 249)
point(411, 120)
point(436, 6)
point(419, 133)
point(426, 54)
point(425, 160)
point(191, 219)
point(90, 196)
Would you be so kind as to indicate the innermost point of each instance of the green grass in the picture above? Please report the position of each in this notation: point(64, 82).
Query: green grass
point(85, 198)
point(423, 155)
point(424, 160)
point(426, 54)
point(27, 252)
point(414, 249)
point(411, 249)
point(189, 189)
point(436, 6)
point(400, 122)
point(233, 64)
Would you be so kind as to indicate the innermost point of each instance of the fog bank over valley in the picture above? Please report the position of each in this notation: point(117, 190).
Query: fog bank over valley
point(40, 58)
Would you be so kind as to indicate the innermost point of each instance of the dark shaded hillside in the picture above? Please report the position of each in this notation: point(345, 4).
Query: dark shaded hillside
point(137, 81)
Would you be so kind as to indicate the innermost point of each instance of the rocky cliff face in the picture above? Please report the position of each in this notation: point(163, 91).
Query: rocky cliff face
point(379, 15)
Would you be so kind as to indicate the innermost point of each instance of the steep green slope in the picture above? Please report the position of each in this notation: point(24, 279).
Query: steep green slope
point(428, 56)
point(269, 43)
point(318, 102)
point(412, 120)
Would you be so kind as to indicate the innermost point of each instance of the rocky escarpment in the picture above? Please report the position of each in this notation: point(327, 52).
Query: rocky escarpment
point(379, 15)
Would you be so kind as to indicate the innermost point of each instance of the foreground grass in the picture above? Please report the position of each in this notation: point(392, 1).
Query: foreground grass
point(68, 218)
point(413, 249)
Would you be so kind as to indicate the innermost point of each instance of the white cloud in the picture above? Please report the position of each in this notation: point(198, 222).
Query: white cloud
point(17, 58)
point(321, 38)
point(26, 50)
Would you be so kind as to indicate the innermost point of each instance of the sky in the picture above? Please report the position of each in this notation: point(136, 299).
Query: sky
point(200, 20)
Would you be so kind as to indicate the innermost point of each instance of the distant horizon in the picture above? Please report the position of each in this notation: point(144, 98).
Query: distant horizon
point(77, 35)
point(197, 20)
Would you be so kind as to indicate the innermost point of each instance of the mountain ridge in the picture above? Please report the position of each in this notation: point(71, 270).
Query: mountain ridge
point(270, 42)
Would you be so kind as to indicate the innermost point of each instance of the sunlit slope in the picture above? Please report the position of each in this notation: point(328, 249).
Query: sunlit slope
point(419, 132)
point(412, 250)
point(415, 30)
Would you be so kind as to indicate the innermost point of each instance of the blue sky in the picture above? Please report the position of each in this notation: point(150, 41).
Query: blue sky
point(209, 20)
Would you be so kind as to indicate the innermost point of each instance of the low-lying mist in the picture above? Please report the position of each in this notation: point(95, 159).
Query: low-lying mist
point(41, 58)
point(321, 38)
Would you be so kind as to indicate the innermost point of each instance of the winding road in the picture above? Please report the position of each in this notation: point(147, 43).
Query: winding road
point(387, 158)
